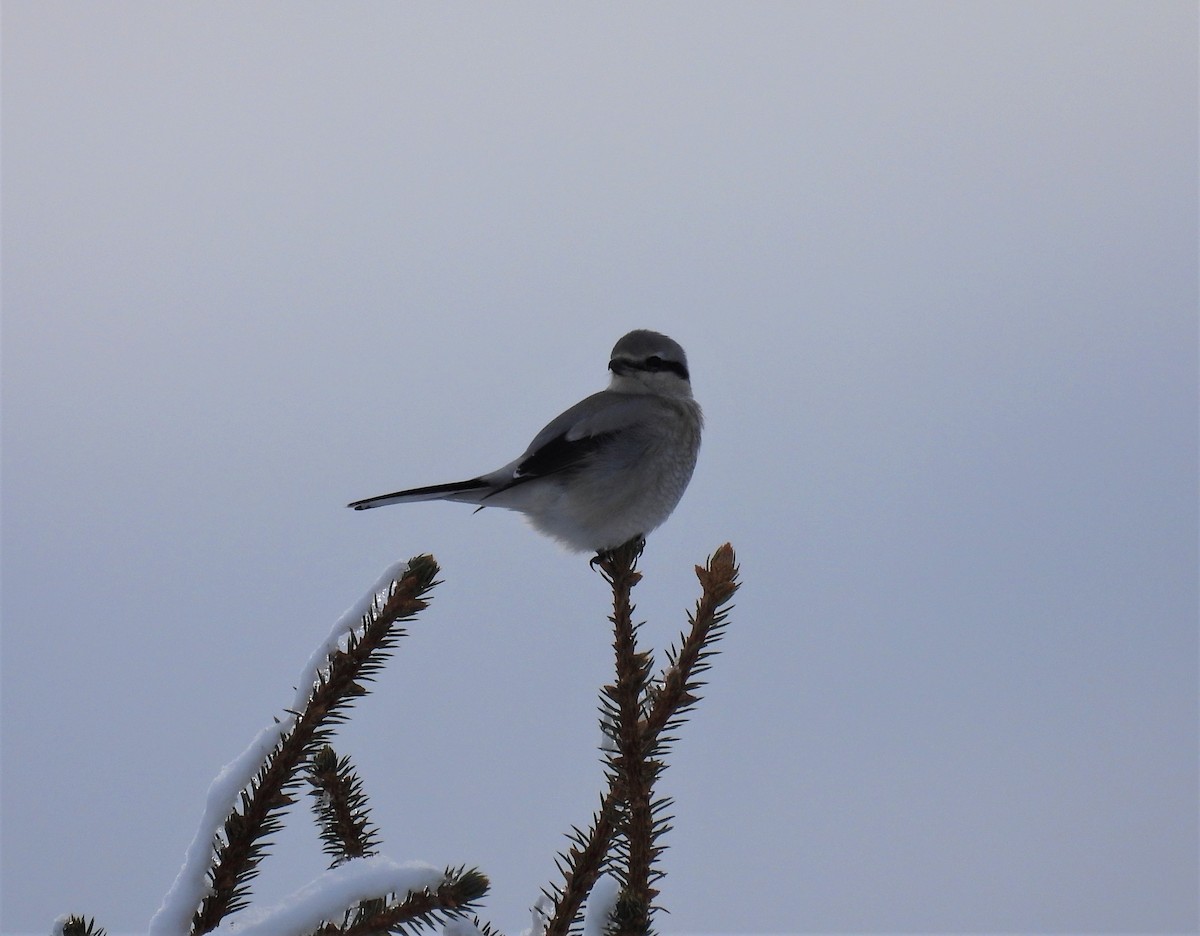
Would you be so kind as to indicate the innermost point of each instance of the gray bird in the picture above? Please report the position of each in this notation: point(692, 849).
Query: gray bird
point(610, 468)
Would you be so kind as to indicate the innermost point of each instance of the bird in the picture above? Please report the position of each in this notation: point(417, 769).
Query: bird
point(609, 469)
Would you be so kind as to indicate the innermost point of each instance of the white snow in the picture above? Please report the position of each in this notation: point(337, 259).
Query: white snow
point(608, 725)
point(345, 624)
point(328, 896)
point(596, 910)
point(461, 927)
point(174, 916)
point(540, 912)
point(600, 904)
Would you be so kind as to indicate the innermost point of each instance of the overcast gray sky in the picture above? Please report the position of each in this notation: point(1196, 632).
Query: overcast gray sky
point(935, 267)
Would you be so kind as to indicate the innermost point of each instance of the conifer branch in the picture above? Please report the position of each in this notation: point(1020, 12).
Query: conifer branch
point(456, 896)
point(244, 844)
point(485, 928)
point(581, 865)
point(637, 715)
point(341, 807)
point(78, 926)
point(676, 688)
point(633, 771)
point(661, 704)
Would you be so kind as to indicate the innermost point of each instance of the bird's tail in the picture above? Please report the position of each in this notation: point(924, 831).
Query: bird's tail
point(470, 492)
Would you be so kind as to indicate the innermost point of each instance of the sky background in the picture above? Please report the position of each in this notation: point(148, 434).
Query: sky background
point(935, 268)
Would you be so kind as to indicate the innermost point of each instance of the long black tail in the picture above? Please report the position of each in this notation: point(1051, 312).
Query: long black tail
point(433, 492)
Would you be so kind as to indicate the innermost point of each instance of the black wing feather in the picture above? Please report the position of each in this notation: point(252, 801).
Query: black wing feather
point(560, 454)
point(557, 456)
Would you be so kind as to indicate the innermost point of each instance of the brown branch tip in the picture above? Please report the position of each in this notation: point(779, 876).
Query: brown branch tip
point(719, 578)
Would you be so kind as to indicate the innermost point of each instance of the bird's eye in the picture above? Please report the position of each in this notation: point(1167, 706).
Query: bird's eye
point(654, 363)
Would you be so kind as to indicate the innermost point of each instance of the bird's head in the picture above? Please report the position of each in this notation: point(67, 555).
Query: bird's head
point(647, 362)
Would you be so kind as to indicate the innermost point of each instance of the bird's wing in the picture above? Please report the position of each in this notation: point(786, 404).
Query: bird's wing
point(575, 435)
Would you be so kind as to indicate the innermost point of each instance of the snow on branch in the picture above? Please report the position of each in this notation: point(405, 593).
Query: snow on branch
point(414, 891)
point(611, 867)
point(245, 801)
point(329, 895)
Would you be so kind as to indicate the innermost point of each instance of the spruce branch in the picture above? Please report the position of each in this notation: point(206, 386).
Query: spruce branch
point(581, 865)
point(457, 895)
point(676, 688)
point(244, 841)
point(661, 704)
point(78, 926)
point(480, 927)
point(638, 715)
point(341, 807)
point(632, 769)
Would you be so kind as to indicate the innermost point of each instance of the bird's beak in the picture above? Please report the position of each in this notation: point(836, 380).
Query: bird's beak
point(619, 367)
